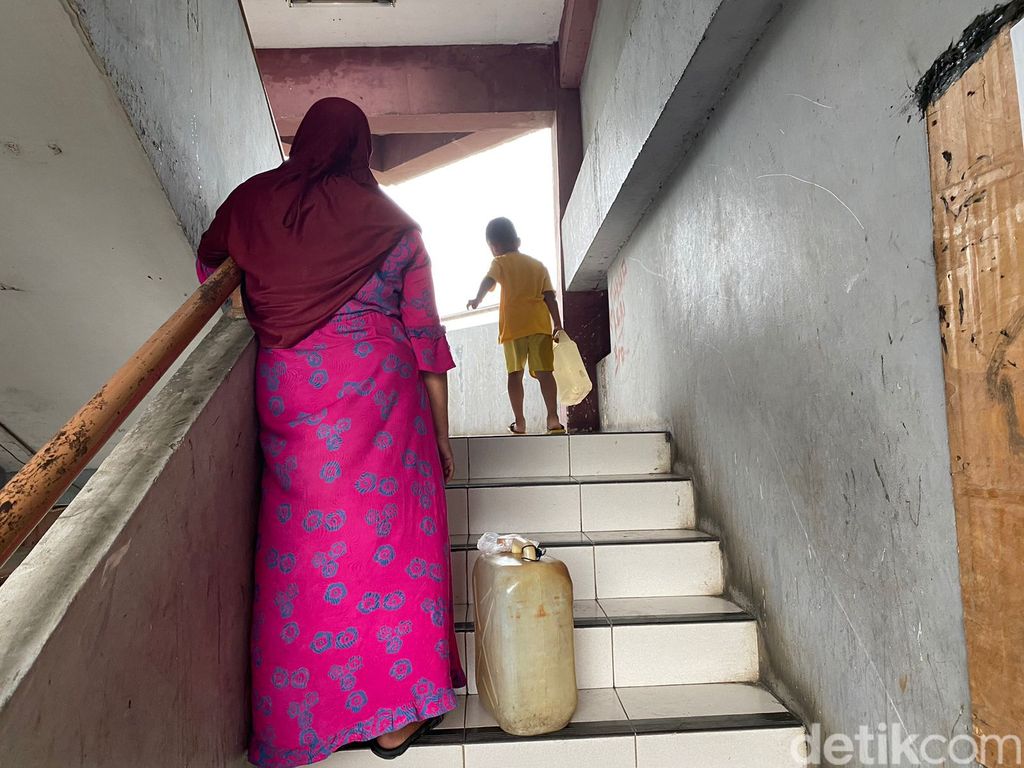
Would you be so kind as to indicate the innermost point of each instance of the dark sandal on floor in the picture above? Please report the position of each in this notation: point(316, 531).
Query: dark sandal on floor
point(390, 754)
point(514, 431)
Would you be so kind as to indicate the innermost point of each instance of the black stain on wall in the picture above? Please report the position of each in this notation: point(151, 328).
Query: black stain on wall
point(1003, 383)
point(959, 57)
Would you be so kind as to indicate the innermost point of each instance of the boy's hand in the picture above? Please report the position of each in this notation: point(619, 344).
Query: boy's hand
point(473, 303)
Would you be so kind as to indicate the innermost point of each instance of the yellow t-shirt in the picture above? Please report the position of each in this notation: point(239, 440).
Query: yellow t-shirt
point(523, 281)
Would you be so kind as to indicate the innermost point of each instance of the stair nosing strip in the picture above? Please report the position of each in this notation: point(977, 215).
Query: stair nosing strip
point(726, 723)
point(469, 544)
point(753, 721)
point(731, 617)
point(589, 622)
point(546, 481)
point(492, 734)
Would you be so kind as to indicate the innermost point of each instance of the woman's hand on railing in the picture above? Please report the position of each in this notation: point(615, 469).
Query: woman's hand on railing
point(237, 311)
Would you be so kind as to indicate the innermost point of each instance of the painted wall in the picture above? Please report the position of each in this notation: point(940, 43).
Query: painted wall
point(610, 31)
point(92, 258)
point(477, 388)
point(776, 309)
point(418, 89)
point(186, 74)
point(138, 655)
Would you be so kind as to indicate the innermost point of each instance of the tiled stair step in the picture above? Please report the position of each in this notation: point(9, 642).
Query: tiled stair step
point(725, 725)
point(591, 503)
point(609, 564)
point(636, 642)
point(509, 456)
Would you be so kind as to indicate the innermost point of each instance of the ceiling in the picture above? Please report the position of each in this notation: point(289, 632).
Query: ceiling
point(275, 24)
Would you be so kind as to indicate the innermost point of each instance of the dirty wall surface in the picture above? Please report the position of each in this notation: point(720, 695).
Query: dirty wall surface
point(776, 309)
point(124, 635)
point(186, 74)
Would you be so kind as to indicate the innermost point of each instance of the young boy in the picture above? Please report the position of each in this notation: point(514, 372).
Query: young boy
point(525, 316)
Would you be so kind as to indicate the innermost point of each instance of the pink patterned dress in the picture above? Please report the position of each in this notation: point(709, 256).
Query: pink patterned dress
point(353, 634)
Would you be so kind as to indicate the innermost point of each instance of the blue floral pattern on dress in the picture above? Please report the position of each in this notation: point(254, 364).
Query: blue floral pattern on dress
point(352, 631)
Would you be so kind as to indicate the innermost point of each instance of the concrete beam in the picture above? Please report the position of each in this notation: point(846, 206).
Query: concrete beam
point(460, 122)
point(396, 149)
point(449, 89)
point(679, 58)
point(574, 40)
point(401, 162)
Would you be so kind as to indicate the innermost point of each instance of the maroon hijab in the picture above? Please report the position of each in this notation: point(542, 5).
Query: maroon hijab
point(308, 234)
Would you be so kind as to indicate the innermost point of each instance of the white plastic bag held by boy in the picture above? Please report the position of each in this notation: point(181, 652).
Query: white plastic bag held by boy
point(570, 374)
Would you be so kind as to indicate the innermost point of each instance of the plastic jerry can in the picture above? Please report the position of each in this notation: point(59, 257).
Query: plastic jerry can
point(525, 659)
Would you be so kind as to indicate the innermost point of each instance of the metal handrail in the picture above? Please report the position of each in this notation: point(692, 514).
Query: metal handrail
point(29, 495)
point(489, 308)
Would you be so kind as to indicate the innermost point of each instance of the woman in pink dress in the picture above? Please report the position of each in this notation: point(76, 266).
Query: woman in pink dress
point(353, 636)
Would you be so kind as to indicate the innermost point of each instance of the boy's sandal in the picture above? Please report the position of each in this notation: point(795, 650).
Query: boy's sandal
point(514, 431)
point(390, 754)
point(559, 430)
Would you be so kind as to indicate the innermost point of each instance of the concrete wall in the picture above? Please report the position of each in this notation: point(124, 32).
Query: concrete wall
point(93, 258)
point(185, 72)
point(124, 634)
point(610, 31)
point(787, 333)
point(477, 388)
point(420, 89)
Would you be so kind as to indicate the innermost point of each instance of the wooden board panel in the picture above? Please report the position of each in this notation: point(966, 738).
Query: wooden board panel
point(977, 168)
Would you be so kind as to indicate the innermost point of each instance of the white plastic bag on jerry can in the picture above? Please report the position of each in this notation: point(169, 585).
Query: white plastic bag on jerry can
point(525, 658)
point(570, 374)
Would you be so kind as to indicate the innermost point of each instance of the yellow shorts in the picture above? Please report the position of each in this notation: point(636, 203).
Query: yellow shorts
point(536, 350)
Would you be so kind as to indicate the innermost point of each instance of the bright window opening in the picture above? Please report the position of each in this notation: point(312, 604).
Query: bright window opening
point(453, 205)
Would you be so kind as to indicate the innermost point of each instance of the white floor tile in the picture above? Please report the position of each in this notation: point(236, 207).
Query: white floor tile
point(656, 570)
point(641, 506)
point(676, 654)
point(470, 664)
point(447, 756)
point(698, 701)
point(580, 562)
point(459, 577)
point(460, 640)
point(598, 705)
point(612, 752)
point(456, 719)
point(458, 510)
point(767, 748)
point(518, 457)
point(620, 454)
point(593, 657)
point(471, 557)
point(460, 452)
point(477, 715)
point(524, 508)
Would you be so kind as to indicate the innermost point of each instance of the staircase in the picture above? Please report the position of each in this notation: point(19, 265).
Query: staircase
point(667, 669)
